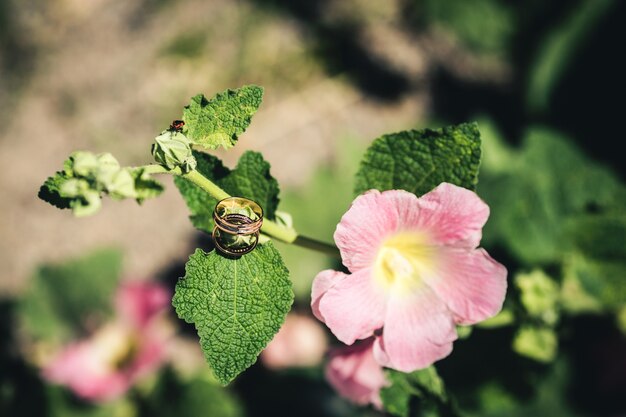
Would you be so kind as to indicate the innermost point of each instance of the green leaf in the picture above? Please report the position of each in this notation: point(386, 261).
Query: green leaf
point(538, 343)
point(425, 385)
point(429, 381)
point(195, 397)
point(600, 283)
point(600, 236)
point(251, 179)
point(145, 186)
point(396, 397)
point(419, 160)
point(220, 120)
point(50, 191)
point(576, 297)
point(63, 297)
point(595, 272)
point(237, 305)
point(484, 26)
point(533, 203)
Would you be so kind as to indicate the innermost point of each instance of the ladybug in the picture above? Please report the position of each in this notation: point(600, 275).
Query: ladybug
point(177, 125)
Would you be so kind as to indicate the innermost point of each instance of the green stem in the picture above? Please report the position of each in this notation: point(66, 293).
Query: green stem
point(273, 229)
point(158, 169)
point(206, 184)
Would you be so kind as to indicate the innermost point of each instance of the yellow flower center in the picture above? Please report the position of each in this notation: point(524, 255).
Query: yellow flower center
point(402, 261)
point(115, 346)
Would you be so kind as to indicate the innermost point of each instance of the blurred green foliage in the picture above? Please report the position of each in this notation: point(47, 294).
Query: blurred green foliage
point(66, 300)
point(541, 193)
point(318, 217)
point(485, 26)
point(198, 396)
point(558, 50)
point(421, 390)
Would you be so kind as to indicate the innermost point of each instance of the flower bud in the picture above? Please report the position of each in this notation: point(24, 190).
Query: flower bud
point(83, 163)
point(89, 204)
point(122, 185)
point(172, 149)
point(73, 187)
point(107, 168)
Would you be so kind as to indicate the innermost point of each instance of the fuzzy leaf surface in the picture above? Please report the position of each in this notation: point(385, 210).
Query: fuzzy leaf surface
point(419, 160)
point(237, 305)
point(221, 120)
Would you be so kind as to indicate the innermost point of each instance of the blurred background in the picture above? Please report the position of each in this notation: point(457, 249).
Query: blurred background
point(543, 80)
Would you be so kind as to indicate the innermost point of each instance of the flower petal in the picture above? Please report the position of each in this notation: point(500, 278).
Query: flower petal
point(419, 330)
point(471, 283)
point(354, 307)
point(355, 374)
point(322, 283)
point(80, 369)
point(363, 227)
point(450, 214)
point(141, 301)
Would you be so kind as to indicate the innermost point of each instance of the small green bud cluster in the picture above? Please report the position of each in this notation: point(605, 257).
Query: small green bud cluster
point(87, 176)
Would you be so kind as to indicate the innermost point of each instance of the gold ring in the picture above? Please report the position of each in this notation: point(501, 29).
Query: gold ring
point(238, 221)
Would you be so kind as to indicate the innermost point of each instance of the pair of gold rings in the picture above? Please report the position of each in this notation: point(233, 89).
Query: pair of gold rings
point(238, 222)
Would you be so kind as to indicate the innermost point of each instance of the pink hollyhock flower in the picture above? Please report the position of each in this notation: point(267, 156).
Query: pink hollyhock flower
point(107, 364)
point(355, 374)
point(301, 342)
point(416, 272)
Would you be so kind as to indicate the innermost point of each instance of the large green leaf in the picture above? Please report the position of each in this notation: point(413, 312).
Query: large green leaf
point(237, 305)
point(419, 160)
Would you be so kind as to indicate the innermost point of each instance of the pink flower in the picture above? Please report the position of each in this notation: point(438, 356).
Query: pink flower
point(140, 301)
point(107, 364)
point(301, 342)
point(355, 374)
point(416, 272)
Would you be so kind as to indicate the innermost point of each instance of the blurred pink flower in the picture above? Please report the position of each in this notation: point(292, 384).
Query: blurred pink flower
point(416, 272)
point(301, 342)
point(107, 364)
point(140, 301)
point(355, 374)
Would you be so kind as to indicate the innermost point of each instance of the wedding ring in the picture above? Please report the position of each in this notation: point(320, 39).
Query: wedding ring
point(238, 221)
